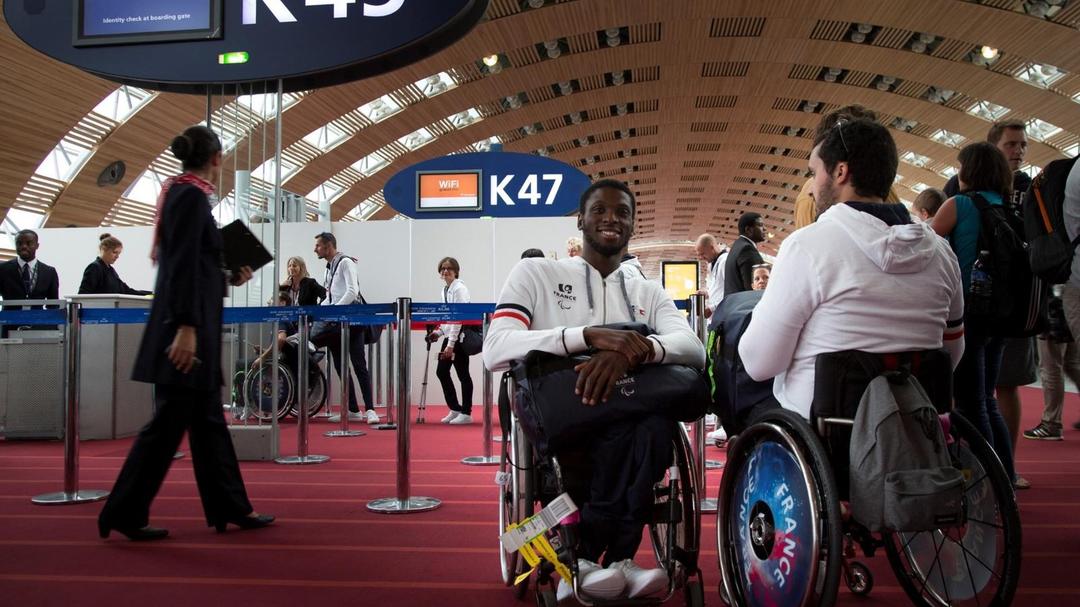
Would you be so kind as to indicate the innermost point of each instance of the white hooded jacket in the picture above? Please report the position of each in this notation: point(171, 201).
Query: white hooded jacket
point(852, 282)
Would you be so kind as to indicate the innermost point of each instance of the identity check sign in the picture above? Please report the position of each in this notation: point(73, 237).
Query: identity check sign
point(486, 184)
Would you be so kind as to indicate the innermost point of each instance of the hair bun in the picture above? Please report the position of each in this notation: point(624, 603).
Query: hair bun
point(104, 236)
point(181, 147)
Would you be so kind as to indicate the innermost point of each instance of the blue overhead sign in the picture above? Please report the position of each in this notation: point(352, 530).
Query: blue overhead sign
point(188, 45)
point(486, 184)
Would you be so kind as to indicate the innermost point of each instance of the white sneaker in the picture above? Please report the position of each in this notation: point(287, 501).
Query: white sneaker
point(595, 582)
point(354, 416)
point(717, 437)
point(371, 417)
point(711, 420)
point(449, 417)
point(641, 582)
point(461, 419)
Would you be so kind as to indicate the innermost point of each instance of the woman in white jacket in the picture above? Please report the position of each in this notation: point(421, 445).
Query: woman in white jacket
point(451, 353)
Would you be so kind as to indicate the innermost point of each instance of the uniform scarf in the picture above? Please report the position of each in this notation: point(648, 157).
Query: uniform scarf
point(204, 185)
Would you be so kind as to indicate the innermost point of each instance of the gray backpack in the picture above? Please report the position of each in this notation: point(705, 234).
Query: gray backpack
point(902, 477)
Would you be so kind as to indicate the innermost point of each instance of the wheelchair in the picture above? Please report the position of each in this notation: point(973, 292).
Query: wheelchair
point(527, 482)
point(781, 534)
point(258, 388)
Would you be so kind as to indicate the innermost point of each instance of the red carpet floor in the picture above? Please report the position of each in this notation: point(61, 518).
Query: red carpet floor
point(327, 549)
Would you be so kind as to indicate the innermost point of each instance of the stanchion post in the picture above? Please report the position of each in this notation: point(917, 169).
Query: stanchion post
point(403, 503)
point(302, 457)
point(71, 493)
point(697, 318)
point(377, 374)
point(389, 424)
point(346, 385)
point(487, 459)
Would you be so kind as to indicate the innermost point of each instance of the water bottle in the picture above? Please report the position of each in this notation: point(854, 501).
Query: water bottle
point(981, 283)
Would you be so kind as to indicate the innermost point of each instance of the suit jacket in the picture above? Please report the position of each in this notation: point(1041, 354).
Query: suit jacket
point(311, 292)
point(47, 285)
point(189, 291)
point(739, 269)
point(101, 278)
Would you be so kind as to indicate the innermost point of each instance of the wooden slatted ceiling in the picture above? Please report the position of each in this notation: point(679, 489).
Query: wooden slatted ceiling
point(715, 78)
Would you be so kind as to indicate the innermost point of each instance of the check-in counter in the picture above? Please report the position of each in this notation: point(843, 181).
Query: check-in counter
point(111, 405)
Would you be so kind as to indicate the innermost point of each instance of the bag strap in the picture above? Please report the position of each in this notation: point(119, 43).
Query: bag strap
point(1037, 188)
point(504, 404)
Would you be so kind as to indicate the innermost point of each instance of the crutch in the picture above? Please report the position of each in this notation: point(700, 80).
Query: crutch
point(423, 386)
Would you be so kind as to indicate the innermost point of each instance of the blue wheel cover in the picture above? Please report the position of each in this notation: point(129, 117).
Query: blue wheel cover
point(769, 488)
point(262, 390)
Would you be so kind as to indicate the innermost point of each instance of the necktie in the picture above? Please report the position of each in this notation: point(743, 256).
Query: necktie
point(26, 279)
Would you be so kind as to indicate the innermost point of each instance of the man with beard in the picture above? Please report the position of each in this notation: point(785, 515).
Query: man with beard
point(862, 277)
point(557, 307)
point(743, 256)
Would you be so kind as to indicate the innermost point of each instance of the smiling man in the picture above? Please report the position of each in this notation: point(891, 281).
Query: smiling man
point(556, 307)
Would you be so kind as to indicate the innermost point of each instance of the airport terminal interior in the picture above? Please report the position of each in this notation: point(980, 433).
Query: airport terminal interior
point(705, 109)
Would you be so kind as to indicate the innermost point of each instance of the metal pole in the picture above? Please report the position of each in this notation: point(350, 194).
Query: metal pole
point(486, 459)
point(346, 385)
point(403, 503)
point(71, 493)
point(379, 402)
point(389, 424)
point(302, 457)
point(697, 317)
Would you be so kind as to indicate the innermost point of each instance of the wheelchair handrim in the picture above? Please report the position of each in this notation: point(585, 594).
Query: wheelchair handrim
point(737, 545)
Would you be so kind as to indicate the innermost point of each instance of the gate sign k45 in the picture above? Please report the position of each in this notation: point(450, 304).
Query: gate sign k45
point(486, 184)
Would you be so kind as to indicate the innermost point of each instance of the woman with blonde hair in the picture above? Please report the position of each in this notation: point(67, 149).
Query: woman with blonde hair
point(100, 276)
point(573, 246)
point(302, 289)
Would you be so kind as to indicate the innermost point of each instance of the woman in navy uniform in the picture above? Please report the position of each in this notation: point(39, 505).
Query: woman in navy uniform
point(181, 355)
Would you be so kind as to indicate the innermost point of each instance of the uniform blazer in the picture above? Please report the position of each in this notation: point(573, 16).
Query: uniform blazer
point(739, 269)
point(189, 291)
point(311, 292)
point(47, 285)
point(100, 278)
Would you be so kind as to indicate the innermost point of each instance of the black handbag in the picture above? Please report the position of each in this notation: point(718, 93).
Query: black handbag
point(471, 342)
point(553, 417)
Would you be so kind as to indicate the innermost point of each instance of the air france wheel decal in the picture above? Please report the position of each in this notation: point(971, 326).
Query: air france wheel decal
point(773, 528)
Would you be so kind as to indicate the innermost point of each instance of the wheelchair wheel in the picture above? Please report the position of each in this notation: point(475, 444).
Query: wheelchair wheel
point(316, 394)
point(977, 563)
point(675, 532)
point(778, 520)
point(259, 391)
point(516, 502)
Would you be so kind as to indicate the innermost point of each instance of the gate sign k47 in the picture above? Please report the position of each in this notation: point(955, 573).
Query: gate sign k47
point(486, 184)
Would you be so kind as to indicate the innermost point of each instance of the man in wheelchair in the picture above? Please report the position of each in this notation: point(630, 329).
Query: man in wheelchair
point(556, 307)
point(864, 276)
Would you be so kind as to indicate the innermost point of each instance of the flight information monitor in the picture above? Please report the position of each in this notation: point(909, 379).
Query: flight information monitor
point(99, 22)
point(680, 278)
point(448, 191)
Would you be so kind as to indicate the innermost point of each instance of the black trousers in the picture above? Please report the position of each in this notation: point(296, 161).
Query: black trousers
point(461, 365)
point(622, 463)
point(217, 472)
point(332, 340)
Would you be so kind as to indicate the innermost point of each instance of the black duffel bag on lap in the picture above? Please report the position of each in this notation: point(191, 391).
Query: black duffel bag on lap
point(553, 417)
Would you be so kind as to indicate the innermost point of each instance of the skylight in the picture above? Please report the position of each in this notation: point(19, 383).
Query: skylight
point(1041, 130)
point(417, 139)
point(438, 84)
point(325, 192)
point(918, 187)
point(123, 102)
point(1041, 75)
point(380, 109)
point(953, 140)
point(267, 171)
point(915, 159)
point(326, 137)
point(370, 164)
point(948, 172)
point(464, 119)
point(988, 111)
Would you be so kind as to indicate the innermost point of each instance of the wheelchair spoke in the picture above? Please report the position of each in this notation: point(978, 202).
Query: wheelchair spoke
point(976, 483)
point(968, 553)
point(934, 563)
point(941, 574)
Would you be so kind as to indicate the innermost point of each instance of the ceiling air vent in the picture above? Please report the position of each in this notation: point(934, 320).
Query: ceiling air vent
point(112, 174)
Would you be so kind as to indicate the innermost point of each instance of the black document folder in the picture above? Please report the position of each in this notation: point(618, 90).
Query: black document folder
point(242, 248)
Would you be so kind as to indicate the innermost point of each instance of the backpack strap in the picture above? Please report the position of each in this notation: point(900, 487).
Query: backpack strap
point(1037, 188)
point(504, 404)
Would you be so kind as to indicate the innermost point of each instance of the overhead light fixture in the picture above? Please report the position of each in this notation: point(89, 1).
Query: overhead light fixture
point(989, 52)
point(491, 60)
point(536, 3)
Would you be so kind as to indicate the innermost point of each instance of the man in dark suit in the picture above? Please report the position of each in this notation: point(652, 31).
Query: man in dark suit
point(27, 278)
point(739, 268)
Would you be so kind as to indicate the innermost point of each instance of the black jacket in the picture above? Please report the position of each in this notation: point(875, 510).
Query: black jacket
point(311, 292)
point(189, 291)
point(100, 278)
point(46, 286)
point(739, 269)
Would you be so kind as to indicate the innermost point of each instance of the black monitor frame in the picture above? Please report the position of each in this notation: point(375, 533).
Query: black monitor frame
point(213, 32)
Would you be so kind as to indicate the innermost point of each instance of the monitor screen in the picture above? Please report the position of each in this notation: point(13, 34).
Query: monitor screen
point(680, 278)
point(448, 191)
point(100, 22)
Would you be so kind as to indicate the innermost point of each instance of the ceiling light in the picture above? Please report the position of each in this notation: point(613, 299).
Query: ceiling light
point(553, 53)
point(621, 109)
point(536, 3)
point(612, 32)
point(858, 37)
point(918, 46)
point(927, 38)
point(989, 52)
point(575, 118)
point(613, 41)
point(618, 78)
point(491, 60)
point(551, 44)
point(864, 28)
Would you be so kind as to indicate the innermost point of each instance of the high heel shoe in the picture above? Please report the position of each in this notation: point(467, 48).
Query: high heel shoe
point(135, 534)
point(246, 522)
